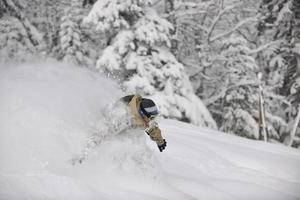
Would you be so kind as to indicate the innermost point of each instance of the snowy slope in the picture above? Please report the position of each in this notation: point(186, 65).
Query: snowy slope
point(47, 111)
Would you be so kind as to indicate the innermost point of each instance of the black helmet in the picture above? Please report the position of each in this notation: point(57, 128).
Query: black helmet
point(148, 108)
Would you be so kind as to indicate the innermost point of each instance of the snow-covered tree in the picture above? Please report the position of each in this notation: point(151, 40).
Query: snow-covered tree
point(12, 7)
point(71, 49)
point(227, 64)
point(45, 15)
point(14, 42)
point(280, 62)
point(294, 136)
point(277, 23)
point(202, 26)
point(58, 20)
point(19, 39)
point(238, 95)
point(138, 55)
point(224, 75)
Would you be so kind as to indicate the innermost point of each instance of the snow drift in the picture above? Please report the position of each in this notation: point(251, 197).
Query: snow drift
point(48, 110)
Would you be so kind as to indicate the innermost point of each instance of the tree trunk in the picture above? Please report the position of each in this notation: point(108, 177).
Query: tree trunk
point(262, 120)
point(294, 130)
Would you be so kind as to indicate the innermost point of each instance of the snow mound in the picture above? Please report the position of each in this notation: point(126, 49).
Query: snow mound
point(47, 107)
point(47, 111)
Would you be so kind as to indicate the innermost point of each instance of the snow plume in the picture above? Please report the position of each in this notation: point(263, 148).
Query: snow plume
point(47, 111)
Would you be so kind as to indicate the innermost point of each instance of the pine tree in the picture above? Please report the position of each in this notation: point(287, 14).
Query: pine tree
point(14, 42)
point(280, 22)
point(19, 39)
point(294, 137)
point(239, 100)
point(45, 15)
point(225, 76)
point(71, 47)
point(138, 55)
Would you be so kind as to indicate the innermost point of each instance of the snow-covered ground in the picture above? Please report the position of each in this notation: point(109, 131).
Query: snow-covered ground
point(47, 111)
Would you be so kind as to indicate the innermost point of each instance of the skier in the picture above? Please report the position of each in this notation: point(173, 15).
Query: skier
point(143, 112)
point(130, 112)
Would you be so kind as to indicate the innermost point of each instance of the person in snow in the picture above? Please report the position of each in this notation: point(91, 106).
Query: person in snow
point(143, 111)
point(128, 113)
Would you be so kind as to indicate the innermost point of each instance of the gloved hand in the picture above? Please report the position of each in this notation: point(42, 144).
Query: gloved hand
point(162, 146)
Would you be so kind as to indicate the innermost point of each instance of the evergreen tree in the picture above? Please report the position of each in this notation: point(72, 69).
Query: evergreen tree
point(225, 77)
point(138, 55)
point(239, 100)
point(14, 42)
point(46, 15)
point(294, 136)
point(19, 39)
point(280, 22)
point(71, 48)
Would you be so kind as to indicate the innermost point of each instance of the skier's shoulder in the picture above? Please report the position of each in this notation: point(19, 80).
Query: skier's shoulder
point(127, 99)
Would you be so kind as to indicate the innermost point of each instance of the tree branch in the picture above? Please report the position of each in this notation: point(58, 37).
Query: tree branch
point(263, 47)
point(221, 12)
point(237, 26)
point(222, 93)
point(155, 3)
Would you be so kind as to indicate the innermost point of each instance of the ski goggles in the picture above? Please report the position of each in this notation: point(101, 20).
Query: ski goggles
point(150, 113)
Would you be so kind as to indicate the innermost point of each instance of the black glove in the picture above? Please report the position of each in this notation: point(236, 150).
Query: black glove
point(162, 146)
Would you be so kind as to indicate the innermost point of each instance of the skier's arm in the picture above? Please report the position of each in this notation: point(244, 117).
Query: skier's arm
point(155, 134)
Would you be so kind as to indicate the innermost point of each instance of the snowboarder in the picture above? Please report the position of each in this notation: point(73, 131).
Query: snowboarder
point(143, 112)
point(130, 112)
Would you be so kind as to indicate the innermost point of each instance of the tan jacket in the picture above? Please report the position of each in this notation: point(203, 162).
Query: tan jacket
point(152, 130)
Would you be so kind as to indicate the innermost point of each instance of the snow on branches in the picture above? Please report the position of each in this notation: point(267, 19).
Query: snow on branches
point(18, 41)
point(139, 57)
point(71, 48)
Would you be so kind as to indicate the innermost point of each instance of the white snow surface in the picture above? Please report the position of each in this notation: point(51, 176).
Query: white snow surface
point(48, 110)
